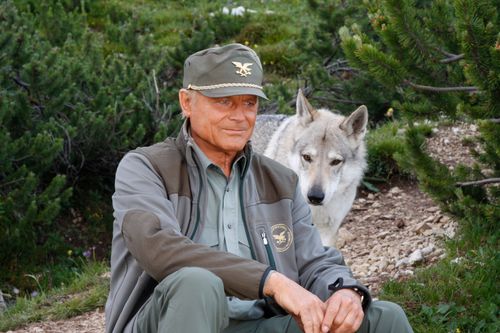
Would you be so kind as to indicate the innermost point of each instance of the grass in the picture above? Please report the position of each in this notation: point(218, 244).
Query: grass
point(87, 291)
point(460, 293)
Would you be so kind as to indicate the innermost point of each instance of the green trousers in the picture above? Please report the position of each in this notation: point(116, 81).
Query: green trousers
point(193, 300)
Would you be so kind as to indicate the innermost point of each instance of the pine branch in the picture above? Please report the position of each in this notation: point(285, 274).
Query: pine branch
point(21, 84)
point(337, 100)
point(440, 89)
point(452, 58)
point(479, 182)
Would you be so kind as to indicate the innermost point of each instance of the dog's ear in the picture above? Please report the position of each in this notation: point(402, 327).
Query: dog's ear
point(305, 112)
point(356, 123)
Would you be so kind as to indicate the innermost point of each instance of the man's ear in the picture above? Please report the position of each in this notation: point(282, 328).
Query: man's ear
point(185, 102)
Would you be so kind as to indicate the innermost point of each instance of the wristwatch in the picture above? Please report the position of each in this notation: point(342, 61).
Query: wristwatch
point(359, 292)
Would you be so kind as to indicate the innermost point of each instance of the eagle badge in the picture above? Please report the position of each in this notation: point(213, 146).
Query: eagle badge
point(243, 69)
point(282, 237)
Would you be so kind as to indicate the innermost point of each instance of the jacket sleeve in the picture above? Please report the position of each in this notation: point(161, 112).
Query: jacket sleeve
point(321, 269)
point(146, 220)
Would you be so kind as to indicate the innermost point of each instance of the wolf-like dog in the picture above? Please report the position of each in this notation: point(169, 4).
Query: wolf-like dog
point(328, 153)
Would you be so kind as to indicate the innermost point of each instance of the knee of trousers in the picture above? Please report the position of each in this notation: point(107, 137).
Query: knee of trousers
point(385, 310)
point(192, 283)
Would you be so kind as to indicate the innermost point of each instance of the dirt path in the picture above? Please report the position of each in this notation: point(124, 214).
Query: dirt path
point(386, 234)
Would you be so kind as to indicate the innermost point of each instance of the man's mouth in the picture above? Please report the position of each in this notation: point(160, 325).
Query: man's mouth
point(235, 130)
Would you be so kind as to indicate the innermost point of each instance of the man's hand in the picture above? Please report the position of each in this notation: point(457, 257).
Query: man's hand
point(305, 307)
point(344, 312)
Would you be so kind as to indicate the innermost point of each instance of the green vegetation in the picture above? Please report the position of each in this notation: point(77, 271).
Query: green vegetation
point(82, 82)
point(87, 290)
point(453, 75)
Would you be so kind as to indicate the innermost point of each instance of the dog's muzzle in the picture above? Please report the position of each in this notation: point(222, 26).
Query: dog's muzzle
point(316, 196)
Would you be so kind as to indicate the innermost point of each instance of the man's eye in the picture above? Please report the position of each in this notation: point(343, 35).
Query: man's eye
point(223, 101)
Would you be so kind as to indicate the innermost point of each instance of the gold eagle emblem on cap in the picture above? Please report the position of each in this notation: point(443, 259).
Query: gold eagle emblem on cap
point(243, 69)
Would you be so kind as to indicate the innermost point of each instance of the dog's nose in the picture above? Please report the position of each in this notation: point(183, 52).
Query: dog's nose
point(316, 195)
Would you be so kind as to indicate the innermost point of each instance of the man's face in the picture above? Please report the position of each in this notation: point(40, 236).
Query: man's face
point(220, 125)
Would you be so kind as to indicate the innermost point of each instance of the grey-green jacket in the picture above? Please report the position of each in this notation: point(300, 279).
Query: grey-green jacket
point(159, 206)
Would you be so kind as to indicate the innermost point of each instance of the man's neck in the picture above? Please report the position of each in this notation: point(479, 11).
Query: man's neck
point(222, 159)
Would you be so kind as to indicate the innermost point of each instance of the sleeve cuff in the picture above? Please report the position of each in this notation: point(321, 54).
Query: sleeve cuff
point(263, 280)
point(366, 298)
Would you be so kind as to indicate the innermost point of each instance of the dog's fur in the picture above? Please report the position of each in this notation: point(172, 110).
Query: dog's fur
point(326, 150)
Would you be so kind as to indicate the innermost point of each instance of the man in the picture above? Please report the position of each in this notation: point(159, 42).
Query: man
point(209, 237)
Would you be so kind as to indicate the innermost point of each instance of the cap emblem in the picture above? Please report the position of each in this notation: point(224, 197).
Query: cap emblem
point(243, 69)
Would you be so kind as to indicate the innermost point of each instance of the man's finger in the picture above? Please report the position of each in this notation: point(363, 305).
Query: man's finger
point(340, 317)
point(351, 322)
point(331, 312)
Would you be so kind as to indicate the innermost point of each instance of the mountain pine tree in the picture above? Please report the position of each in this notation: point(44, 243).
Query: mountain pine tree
point(70, 107)
point(443, 60)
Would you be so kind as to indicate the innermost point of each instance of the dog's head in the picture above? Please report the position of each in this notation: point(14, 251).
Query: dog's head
point(329, 151)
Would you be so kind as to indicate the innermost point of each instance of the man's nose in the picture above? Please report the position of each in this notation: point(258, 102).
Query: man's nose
point(238, 113)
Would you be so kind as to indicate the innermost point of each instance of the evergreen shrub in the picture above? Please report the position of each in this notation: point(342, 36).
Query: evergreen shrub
point(70, 107)
point(442, 59)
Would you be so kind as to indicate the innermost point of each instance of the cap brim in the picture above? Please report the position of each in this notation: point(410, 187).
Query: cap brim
point(232, 91)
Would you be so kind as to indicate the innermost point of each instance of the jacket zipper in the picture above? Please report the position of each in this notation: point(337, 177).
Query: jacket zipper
point(198, 207)
point(270, 256)
point(243, 215)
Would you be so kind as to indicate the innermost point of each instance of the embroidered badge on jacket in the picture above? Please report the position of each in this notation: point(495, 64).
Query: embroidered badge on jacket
point(282, 237)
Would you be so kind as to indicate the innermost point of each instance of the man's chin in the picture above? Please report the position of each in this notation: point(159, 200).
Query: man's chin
point(234, 148)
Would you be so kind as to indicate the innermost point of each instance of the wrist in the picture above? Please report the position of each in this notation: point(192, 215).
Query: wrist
point(355, 291)
point(270, 283)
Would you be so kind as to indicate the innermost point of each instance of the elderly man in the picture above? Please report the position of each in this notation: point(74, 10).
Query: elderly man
point(210, 237)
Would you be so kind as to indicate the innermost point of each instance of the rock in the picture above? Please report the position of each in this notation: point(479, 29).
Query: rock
point(450, 232)
point(431, 232)
point(416, 257)
point(421, 227)
point(429, 219)
point(433, 209)
point(402, 262)
point(383, 234)
point(382, 264)
point(395, 190)
point(344, 237)
point(428, 250)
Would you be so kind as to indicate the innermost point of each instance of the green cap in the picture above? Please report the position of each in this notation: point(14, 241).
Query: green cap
point(228, 70)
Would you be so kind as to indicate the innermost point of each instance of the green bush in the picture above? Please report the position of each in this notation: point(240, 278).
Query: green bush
point(442, 58)
point(385, 144)
point(68, 113)
point(334, 79)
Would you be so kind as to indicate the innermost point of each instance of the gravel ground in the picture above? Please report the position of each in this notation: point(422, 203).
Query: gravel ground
point(384, 236)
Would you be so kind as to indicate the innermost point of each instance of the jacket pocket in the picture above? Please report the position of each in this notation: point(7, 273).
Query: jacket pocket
point(264, 237)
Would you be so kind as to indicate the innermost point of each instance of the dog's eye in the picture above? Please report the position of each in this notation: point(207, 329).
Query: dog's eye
point(335, 162)
point(307, 158)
